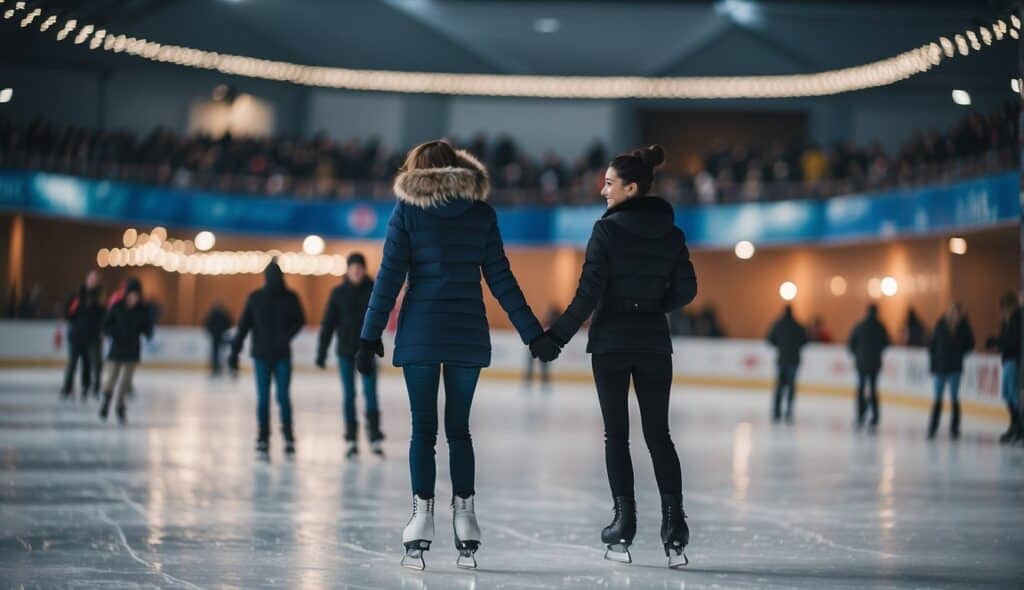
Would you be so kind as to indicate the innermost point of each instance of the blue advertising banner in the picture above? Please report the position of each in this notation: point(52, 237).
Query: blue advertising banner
point(976, 203)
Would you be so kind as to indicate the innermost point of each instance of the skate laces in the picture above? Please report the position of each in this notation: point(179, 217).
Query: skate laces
point(416, 501)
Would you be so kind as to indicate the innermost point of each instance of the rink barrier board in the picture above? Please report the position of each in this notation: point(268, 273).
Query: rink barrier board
point(745, 386)
point(827, 369)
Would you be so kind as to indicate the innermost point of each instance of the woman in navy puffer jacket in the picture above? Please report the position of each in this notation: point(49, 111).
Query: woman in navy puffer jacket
point(442, 236)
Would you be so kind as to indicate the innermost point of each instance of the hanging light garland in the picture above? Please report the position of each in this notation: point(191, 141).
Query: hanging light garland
point(871, 75)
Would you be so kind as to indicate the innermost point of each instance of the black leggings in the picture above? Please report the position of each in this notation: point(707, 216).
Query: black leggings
point(652, 379)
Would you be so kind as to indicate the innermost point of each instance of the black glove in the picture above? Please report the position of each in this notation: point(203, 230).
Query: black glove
point(545, 347)
point(366, 362)
point(233, 362)
point(321, 362)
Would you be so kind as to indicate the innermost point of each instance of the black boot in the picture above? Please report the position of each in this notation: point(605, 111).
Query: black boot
point(263, 441)
point(675, 535)
point(289, 439)
point(1013, 431)
point(374, 434)
point(105, 408)
point(933, 422)
point(121, 417)
point(618, 536)
point(954, 424)
point(351, 431)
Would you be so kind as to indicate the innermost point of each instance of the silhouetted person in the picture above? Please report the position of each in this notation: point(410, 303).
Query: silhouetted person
point(275, 317)
point(217, 323)
point(127, 320)
point(867, 343)
point(29, 308)
point(84, 314)
point(344, 315)
point(1008, 345)
point(788, 337)
point(952, 340)
point(914, 333)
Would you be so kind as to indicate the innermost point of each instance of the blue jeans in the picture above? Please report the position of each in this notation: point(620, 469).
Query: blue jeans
point(281, 371)
point(785, 386)
point(459, 385)
point(347, 367)
point(953, 380)
point(1008, 384)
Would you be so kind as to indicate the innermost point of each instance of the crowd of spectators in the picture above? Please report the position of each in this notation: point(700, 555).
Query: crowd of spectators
point(322, 167)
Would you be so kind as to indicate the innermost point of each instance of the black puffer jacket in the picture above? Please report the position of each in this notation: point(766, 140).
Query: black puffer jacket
point(949, 347)
point(788, 336)
point(637, 269)
point(867, 342)
point(84, 313)
point(274, 315)
point(344, 316)
point(1008, 341)
point(125, 325)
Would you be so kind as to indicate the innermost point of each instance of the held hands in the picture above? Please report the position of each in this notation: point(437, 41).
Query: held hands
point(366, 362)
point(545, 347)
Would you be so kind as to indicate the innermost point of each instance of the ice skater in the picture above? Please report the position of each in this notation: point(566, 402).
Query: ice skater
point(84, 314)
point(442, 234)
point(788, 337)
point(275, 317)
point(217, 324)
point(868, 341)
point(637, 269)
point(1008, 345)
point(125, 323)
point(951, 341)
point(344, 315)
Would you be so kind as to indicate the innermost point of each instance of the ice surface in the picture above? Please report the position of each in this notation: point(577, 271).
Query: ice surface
point(177, 498)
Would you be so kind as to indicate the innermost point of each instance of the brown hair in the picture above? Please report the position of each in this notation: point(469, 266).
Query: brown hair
point(638, 166)
point(433, 154)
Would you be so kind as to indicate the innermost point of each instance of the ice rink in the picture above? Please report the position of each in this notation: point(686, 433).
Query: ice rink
point(177, 498)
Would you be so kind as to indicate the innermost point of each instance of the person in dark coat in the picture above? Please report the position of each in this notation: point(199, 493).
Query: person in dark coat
point(636, 270)
point(1008, 345)
point(217, 323)
point(951, 341)
point(84, 314)
point(442, 236)
point(788, 337)
point(868, 341)
point(914, 333)
point(275, 317)
point(127, 321)
point(343, 317)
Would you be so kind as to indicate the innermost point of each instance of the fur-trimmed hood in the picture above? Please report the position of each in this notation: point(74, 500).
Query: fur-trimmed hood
point(433, 187)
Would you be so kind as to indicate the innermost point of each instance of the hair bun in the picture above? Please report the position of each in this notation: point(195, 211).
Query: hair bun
point(652, 155)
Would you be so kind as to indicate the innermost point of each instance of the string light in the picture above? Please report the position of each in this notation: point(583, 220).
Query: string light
point(870, 75)
point(180, 256)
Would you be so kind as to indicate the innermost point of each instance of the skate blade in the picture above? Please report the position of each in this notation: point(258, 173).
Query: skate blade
point(618, 553)
point(413, 559)
point(678, 561)
point(466, 560)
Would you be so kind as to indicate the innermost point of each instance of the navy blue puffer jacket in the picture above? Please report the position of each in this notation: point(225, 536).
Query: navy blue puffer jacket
point(442, 235)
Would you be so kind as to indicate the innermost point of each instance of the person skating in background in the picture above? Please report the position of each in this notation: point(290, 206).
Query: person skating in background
point(274, 315)
point(217, 323)
point(914, 333)
point(1008, 345)
point(820, 333)
point(545, 368)
point(788, 337)
point(344, 315)
point(127, 320)
point(442, 235)
point(636, 270)
point(84, 314)
point(951, 341)
point(868, 341)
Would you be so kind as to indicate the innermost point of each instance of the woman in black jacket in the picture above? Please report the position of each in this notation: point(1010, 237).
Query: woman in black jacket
point(126, 321)
point(637, 269)
point(951, 341)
